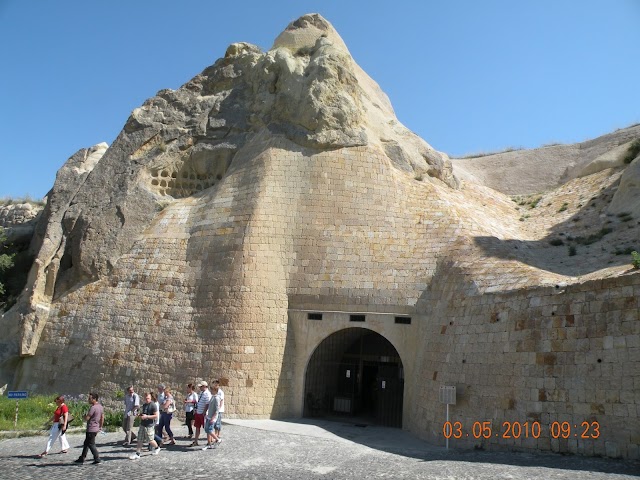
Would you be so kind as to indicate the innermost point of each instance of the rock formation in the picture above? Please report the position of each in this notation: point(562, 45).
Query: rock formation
point(18, 220)
point(517, 172)
point(279, 183)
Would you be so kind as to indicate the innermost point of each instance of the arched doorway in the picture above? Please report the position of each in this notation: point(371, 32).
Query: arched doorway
point(355, 373)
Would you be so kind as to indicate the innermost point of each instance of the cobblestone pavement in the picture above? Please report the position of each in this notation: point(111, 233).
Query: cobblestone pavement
point(344, 452)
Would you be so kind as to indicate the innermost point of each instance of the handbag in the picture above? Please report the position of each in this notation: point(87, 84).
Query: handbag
point(61, 422)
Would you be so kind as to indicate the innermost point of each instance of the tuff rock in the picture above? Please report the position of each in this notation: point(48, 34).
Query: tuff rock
point(278, 184)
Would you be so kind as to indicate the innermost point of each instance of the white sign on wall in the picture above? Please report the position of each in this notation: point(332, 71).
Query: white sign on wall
point(448, 395)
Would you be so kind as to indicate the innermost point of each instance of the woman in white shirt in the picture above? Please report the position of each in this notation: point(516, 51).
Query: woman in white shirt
point(166, 414)
point(190, 403)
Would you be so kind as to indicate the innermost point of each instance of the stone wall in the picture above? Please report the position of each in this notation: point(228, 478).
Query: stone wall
point(205, 293)
point(556, 354)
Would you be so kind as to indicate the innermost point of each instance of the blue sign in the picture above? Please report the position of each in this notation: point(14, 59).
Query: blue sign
point(18, 394)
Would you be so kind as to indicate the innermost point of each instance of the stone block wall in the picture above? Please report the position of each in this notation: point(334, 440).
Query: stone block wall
point(554, 354)
point(204, 291)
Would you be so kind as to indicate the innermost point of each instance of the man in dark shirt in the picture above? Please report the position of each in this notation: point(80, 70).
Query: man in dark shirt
point(148, 415)
point(95, 421)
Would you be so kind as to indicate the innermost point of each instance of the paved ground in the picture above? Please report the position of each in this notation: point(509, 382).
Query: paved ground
point(287, 450)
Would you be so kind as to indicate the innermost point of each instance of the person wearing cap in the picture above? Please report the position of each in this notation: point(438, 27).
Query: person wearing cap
point(201, 408)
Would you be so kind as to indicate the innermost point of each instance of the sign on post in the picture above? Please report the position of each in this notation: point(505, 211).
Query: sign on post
point(18, 395)
point(448, 396)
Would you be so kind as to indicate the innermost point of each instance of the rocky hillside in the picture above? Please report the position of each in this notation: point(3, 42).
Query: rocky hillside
point(282, 181)
point(527, 172)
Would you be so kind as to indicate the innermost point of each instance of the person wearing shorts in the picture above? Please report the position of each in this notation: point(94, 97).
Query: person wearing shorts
point(146, 432)
point(201, 409)
point(210, 423)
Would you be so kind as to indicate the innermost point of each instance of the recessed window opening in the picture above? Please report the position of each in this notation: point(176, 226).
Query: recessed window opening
point(357, 318)
point(314, 316)
point(403, 320)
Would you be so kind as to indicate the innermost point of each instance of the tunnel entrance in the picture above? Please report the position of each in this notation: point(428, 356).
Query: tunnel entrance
point(355, 373)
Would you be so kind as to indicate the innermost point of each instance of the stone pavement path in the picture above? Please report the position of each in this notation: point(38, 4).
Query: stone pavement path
point(268, 452)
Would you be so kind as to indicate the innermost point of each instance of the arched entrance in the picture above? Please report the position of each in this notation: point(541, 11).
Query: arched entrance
point(355, 373)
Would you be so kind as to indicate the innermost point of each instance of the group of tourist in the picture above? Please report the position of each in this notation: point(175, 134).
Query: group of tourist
point(203, 409)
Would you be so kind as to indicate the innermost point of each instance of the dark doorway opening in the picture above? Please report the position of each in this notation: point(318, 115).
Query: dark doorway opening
point(357, 374)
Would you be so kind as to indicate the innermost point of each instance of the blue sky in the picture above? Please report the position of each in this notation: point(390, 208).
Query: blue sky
point(467, 76)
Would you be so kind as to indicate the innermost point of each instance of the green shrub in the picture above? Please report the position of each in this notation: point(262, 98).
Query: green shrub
point(6, 261)
point(572, 250)
point(632, 151)
point(594, 237)
point(635, 261)
point(15, 263)
point(625, 216)
point(5, 201)
point(113, 420)
point(564, 206)
point(556, 242)
point(35, 412)
point(534, 202)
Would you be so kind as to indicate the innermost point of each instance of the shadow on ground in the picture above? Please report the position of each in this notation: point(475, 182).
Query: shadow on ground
point(400, 442)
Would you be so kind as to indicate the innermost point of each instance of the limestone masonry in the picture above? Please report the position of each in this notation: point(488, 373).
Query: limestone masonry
point(272, 224)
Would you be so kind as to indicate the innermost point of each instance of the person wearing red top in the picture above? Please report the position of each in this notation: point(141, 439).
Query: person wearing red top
point(60, 418)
